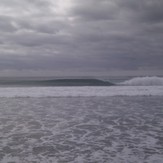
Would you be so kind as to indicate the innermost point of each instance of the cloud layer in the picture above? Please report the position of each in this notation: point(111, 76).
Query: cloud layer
point(81, 37)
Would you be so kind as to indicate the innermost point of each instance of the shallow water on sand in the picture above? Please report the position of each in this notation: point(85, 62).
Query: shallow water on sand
point(81, 129)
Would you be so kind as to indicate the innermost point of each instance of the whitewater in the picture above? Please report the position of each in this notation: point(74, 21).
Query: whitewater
point(82, 91)
point(144, 81)
point(122, 123)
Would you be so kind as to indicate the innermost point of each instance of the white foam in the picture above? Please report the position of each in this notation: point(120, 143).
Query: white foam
point(81, 91)
point(144, 81)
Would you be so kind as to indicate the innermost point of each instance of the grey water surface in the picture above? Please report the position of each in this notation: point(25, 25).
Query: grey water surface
point(82, 129)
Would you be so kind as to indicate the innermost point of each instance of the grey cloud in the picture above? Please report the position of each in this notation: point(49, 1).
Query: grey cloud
point(38, 39)
point(93, 10)
point(50, 26)
point(147, 11)
point(93, 35)
point(6, 24)
point(152, 11)
point(24, 4)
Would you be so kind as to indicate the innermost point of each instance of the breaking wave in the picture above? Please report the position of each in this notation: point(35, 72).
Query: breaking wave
point(56, 82)
point(144, 81)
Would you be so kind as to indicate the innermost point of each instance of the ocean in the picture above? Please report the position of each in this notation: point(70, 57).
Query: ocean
point(88, 122)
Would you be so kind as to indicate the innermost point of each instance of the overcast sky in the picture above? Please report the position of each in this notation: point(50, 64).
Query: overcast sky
point(81, 37)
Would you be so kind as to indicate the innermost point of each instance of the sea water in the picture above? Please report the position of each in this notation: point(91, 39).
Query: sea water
point(90, 124)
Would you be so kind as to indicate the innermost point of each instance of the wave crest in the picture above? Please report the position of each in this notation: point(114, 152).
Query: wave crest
point(144, 81)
